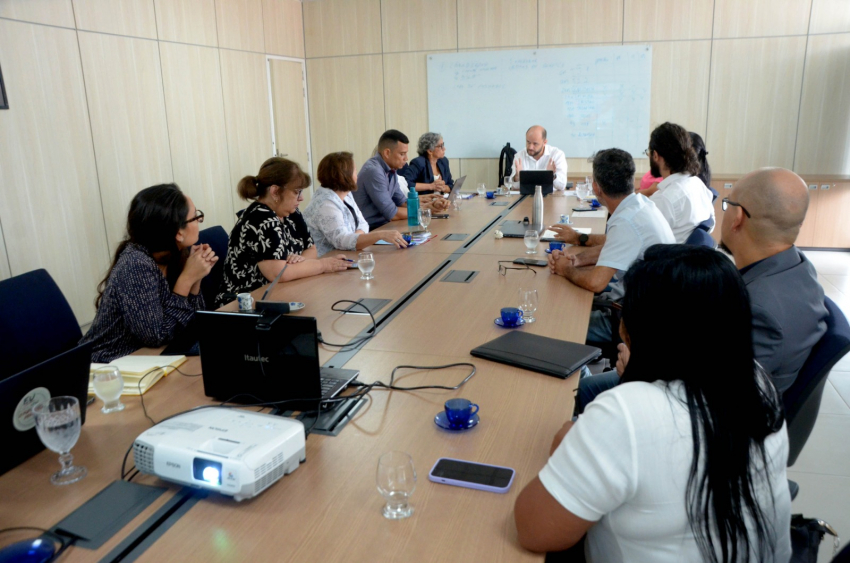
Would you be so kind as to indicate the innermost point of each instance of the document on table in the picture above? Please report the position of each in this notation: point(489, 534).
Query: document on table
point(596, 213)
point(547, 234)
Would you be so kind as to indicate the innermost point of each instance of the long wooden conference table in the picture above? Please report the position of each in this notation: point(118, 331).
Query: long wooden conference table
point(329, 508)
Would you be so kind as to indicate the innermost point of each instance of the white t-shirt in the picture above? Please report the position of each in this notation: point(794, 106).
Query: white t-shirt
point(634, 226)
point(549, 153)
point(625, 465)
point(685, 202)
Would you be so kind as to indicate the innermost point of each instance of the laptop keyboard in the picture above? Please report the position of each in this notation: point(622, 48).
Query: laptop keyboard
point(328, 386)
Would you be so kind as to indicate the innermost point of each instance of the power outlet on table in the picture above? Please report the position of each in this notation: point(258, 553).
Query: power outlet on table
point(727, 186)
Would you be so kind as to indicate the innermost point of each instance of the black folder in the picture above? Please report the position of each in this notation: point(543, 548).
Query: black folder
point(557, 358)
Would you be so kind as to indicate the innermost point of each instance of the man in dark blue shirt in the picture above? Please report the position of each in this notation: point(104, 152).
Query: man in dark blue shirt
point(378, 194)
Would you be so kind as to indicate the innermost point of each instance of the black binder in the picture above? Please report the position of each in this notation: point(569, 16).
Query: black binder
point(557, 358)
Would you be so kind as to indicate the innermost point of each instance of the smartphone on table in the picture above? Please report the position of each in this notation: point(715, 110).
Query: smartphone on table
point(481, 476)
point(531, 261)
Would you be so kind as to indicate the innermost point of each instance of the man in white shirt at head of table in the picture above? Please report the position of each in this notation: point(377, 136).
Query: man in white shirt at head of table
point(540, 155)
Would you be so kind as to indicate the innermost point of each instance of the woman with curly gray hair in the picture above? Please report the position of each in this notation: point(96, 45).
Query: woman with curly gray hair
point(429, 172)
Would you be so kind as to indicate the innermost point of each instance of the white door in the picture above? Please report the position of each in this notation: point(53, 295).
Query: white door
point(288, 98)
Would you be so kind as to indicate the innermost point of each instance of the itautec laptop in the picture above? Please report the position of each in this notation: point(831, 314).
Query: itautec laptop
point(252, 358)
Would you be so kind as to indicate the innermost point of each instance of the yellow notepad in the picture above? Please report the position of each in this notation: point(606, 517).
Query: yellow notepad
point(145, 369)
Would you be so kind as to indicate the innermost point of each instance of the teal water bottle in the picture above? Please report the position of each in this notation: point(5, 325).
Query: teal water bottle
point(412, 208)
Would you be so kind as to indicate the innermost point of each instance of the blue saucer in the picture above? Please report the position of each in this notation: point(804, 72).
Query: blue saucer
point(499, 322)
point(443, 422)
point(549, 250)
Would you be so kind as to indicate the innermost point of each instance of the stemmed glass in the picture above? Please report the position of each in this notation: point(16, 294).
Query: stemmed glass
point(532, 238)
point(509, 183)
point(396, 481)
point(366, 263)
point(108, 385)
point(528, 301)
point(57, 423)
point(425, 218)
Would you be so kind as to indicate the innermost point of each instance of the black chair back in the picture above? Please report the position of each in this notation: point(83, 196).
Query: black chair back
point(701, 238)
point(802, 399)
point(37, 322)
point(217, 238)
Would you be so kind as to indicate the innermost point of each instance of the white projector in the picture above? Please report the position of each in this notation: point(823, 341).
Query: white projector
point(235, 452)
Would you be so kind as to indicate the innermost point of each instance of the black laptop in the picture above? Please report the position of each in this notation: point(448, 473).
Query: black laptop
point(65, 374)
point(557, 358)
point(528, 179)
point(251, 357)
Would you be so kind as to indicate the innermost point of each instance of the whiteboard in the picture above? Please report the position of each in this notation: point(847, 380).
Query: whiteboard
point(587, 98)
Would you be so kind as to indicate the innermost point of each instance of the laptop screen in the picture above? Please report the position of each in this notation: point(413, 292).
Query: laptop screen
point(251, 358)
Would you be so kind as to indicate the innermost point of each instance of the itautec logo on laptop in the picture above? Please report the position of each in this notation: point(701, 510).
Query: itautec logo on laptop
point(258, 359)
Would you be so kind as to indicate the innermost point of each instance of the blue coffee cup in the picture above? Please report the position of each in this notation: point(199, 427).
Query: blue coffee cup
point(511, 316)
point(491, 195)
point(459, 412)
point(595, 203)
point(557, 245)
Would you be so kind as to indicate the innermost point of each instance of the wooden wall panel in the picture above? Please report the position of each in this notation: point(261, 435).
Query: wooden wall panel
point(283, 28)
point(680, 84)
point(419, 25)
point(121, 17)
point(187, 21)
point(830, 16)
point(833, 208)
point(346, 105)
point(754, 100)
point(406, 86)
point(496, 23)
point(659, 20)
point(759, 18)
point(128, 121)
point(342, 27)
point(240, 24)
point(246, 113)
point(195, 110)
point(478, 170)
point(50, 204)
point(580, 21)
point(824, 132)
point(50, 12)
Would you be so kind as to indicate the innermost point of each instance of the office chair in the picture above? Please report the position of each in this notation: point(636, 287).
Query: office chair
point(37, 322)
point(217, 238)
point(714, 194)
point(701, 238)
point(802, 399)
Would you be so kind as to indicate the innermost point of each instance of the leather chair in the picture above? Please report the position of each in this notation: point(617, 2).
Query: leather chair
point(37, 322)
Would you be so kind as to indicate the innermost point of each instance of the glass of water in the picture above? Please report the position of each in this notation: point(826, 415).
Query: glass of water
point(425, 217)
point(528, 301)
point(57, 423)
point(457, 203)
point(532, 238)
point(509, 183)
point(108, 385)
point(396, 481)
point(366, 263)
point(482, 189)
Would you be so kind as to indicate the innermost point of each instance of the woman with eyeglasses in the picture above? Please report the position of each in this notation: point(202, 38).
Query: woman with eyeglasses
point(271, 233)
point(429, 172)
point(685, 459)
point(152, 289)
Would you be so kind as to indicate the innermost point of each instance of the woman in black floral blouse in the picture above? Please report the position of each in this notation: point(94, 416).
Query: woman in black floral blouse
point(272, 233)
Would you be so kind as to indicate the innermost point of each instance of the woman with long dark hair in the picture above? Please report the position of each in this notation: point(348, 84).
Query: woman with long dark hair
point(152, 289)
point(704, 168)
point(685, 459)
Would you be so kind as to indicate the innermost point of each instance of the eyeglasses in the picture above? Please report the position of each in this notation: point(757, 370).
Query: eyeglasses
point(648, 152)
point(441, 146)
point(504, 269)
point(199, 217)
point(725, 203)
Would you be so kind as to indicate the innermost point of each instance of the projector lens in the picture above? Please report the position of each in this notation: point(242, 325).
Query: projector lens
point(207, 471)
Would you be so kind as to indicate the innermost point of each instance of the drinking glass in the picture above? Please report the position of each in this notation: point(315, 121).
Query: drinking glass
point(396, 482)
point(108, 385)
point(425, 217)
point(457, 203)
point(509, 183)
point(532, 237)
point(482, 189)
point(366, 263)
point(57, 423)
point(528, 301)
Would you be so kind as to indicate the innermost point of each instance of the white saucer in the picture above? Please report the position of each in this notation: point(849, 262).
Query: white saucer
point(293, 306)
point(499, 322)
point(443, 422)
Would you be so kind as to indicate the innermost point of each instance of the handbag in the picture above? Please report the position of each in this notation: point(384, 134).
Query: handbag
point(806, 536)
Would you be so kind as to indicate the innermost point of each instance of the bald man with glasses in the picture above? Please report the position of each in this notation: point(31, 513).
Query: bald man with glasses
point(761, 220)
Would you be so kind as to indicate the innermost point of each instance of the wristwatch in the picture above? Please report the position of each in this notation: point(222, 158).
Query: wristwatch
point(582, 239)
